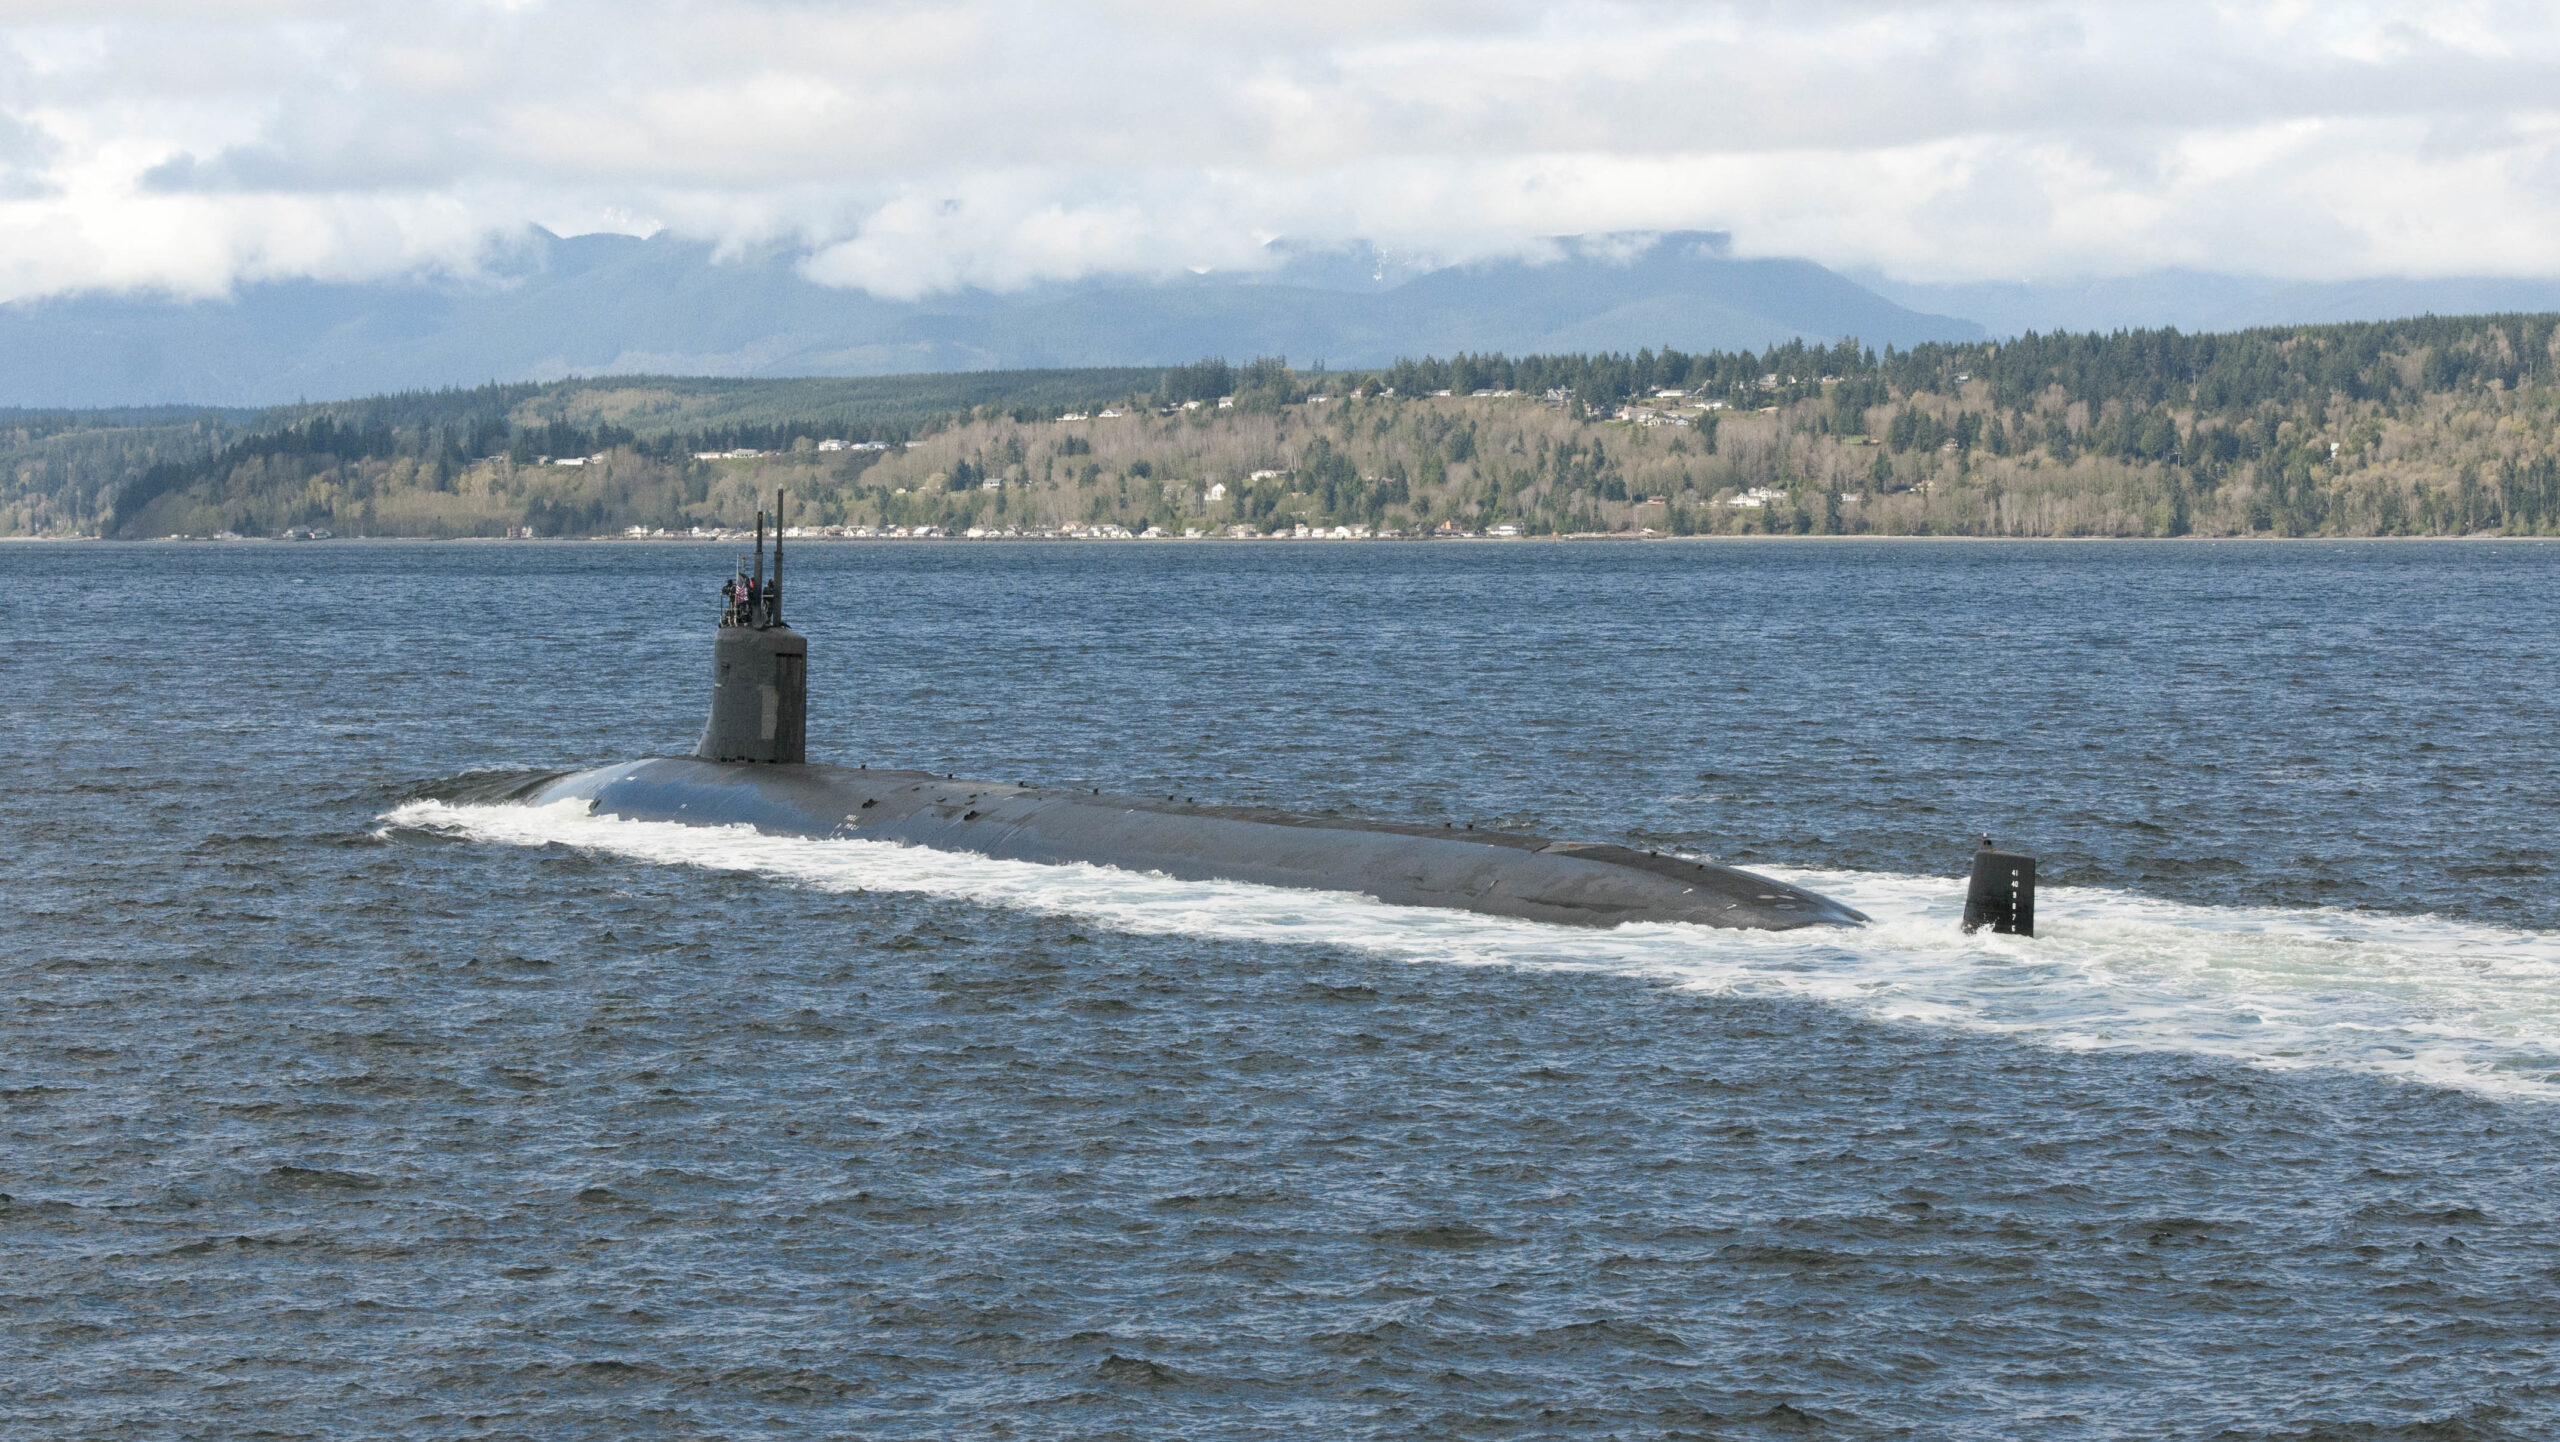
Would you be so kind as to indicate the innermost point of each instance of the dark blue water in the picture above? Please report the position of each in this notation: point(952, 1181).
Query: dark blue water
point(317, 1124)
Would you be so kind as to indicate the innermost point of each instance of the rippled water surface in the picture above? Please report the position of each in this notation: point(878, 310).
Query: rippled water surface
point(329, 1110)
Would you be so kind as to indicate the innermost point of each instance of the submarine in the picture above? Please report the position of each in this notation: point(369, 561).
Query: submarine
point(751, 768)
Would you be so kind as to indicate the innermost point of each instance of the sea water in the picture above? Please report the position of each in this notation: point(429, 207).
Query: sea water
point(333, 1109)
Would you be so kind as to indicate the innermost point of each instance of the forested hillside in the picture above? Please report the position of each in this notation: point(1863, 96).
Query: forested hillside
point(2424, 427)
point(64, 469)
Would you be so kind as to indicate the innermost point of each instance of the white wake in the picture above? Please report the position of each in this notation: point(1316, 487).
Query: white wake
point(2441, 1002)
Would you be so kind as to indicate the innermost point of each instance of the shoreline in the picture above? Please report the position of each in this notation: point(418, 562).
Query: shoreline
point(1258, 541)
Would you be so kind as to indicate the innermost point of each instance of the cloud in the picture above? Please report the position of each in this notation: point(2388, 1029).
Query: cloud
point(910, 148)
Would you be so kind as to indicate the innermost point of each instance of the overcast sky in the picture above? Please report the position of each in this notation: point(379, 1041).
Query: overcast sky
point(914, 147)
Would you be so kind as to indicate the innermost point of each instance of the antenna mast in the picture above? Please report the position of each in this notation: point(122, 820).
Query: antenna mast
point(773, 593)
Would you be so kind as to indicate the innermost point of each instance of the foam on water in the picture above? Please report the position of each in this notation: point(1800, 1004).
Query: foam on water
point(2425, 999)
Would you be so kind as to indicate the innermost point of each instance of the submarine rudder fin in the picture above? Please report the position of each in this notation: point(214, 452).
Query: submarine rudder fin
point(2002, 893)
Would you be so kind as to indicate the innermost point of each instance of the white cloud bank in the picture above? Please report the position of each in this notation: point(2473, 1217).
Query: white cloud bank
point(916, 147)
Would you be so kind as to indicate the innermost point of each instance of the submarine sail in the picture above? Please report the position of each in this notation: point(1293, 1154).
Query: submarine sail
point(759, 670)
point(750, 769)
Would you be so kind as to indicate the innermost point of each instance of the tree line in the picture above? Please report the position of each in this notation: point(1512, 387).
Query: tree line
point(2437, 424)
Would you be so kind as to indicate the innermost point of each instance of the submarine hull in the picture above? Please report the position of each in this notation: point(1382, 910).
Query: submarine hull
point(1494, 873)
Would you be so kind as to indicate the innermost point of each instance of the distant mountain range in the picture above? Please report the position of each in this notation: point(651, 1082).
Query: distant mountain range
point(611, 304)
point(606, 304)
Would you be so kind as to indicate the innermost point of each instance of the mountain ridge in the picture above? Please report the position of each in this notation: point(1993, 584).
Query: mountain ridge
point(556, 307)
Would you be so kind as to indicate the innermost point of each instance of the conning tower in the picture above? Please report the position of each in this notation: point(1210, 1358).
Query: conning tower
point(759, 669)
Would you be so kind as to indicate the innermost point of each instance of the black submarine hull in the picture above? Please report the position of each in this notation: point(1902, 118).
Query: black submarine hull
point(1494, 873)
